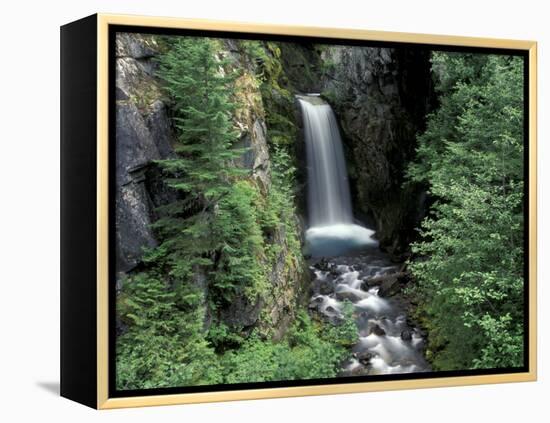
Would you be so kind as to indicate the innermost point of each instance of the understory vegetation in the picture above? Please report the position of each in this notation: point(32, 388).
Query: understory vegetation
point(468, 262)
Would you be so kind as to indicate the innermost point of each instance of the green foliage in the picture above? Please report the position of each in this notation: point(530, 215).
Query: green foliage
point(163, 346)
point(279, 209)
point(469, 261)
point(239, 244)
point(216, 225)
point(277, 98)
point(222, 337)
point(309, 351)
point(200, 95)
point(345, 333)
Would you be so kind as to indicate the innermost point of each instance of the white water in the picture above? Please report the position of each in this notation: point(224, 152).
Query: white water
point(336, 239)
point(331, 228)
point(387, 343)
point(328, 194)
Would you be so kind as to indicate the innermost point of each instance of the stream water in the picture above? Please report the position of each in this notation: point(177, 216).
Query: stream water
point(388, 342)
point(347, 264)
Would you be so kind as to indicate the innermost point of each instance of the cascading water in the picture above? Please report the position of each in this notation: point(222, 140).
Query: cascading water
point(328, 195)
point(331, 228)
point(355, 269)
point(387, 342)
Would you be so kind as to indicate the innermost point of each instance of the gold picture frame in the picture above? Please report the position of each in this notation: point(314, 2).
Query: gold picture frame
point(102, 398)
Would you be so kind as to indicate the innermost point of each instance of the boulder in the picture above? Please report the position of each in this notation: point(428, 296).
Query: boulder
point(325, 287)
point(406, 335)
point(342, 295)
point(333, 270)
point(377, 330)
point(363, 356)
point(368, 283)
point(323, 265)
point(371, 281)
point(357, 370)
point(389, 287)
point(331, 310)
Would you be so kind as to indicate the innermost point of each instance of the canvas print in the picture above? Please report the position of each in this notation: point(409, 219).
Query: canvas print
point(306, 211)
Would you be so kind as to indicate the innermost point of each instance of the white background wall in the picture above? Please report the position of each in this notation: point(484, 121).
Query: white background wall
point(29, 177)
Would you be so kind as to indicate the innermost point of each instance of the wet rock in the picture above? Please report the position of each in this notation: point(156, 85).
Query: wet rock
point(333, 271)
point(315, 303)
point(325, 287)
point(323, 265)
point(377, 330)
point(331, 309)
point(348, 295)
point(357, 370)
point(363, 357)
point(330, 315)
point(406, 335)
point(362, 317)
point(385, 280)
point(389, 287)
point(356, 267)
point(368, 283)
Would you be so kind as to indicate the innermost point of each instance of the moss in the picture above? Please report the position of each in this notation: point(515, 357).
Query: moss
point(248, 99)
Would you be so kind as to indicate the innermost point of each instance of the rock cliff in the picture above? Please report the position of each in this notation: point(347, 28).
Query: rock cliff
point(381, 97)
point(143, 134)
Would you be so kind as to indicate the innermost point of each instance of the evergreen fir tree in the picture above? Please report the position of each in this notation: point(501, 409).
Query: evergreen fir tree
point(200, 88)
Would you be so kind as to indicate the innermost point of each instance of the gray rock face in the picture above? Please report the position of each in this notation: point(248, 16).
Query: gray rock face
point(143, 134)
point(249, 119)
point(242, 313)
point(381, 96)
point(256, 158)
point(135, 46)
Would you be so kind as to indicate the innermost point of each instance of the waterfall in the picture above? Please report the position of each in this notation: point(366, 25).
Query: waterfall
point(331, 225)
point(328, 188)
